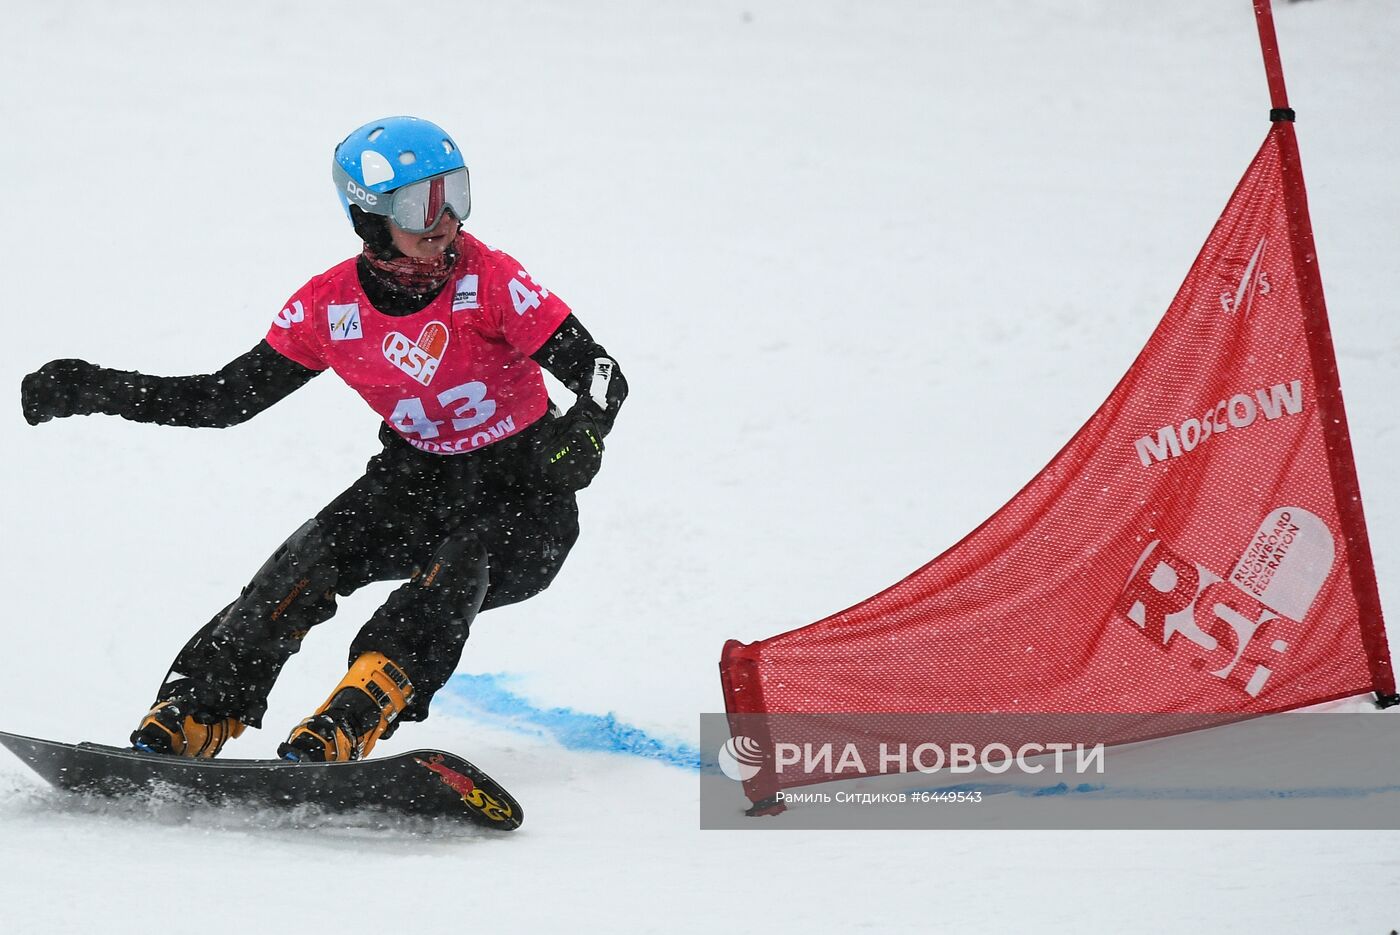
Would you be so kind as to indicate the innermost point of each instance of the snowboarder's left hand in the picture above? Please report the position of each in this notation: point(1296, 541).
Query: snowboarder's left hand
point(57, 390)
point(572, 447)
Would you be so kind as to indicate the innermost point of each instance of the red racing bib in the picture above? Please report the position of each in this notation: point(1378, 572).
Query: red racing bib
point(451, 378)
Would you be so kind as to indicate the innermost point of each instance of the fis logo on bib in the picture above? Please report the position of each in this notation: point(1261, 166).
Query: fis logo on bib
point(465, 295)
point(419, 359)
point(344, 321)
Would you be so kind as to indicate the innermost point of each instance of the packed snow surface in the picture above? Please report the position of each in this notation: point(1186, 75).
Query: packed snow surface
point(866, 266)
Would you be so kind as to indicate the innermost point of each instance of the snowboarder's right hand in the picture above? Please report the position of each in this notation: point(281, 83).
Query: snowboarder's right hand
point(57, 390)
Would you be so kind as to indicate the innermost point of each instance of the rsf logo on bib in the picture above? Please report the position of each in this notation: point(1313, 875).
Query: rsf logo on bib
point(419, 359)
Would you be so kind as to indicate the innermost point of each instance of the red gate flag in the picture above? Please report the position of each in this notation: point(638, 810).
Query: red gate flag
point(1198, 546)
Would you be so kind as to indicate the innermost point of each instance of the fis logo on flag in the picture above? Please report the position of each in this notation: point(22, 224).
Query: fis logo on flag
point(1253, 282)
point(344, 321)
point(1238, 626)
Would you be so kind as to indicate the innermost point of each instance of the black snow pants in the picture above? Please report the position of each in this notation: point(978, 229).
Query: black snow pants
point(468, 532)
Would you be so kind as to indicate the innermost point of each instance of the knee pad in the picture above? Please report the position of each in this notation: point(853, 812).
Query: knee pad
point(250, 642)
point(298, 573)
point(460, 564)
point(425, 623)
point(305, 551)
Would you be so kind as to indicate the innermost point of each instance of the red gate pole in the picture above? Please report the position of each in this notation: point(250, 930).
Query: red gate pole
point(1273, 64)
point(1345, 485)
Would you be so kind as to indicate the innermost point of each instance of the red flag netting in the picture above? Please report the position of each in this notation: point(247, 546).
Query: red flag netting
point(1198, 546)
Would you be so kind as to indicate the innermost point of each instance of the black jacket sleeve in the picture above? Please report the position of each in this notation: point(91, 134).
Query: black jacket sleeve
point(590, 373)
point(241, 389)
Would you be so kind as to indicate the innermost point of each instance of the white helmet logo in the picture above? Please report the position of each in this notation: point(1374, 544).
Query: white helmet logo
point(375, 168)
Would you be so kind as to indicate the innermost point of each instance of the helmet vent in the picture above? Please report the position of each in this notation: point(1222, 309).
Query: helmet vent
point(374, 168)
point(376, 133)
point(407, 158)
point(447, 147)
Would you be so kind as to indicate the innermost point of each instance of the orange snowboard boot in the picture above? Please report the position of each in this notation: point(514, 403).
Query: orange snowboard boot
point(360, 709)
point(175, 728)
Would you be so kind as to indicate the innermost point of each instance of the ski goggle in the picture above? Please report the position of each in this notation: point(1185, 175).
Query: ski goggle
point(417, 207)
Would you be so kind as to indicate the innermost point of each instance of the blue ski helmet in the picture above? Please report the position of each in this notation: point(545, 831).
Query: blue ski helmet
point(402, 168)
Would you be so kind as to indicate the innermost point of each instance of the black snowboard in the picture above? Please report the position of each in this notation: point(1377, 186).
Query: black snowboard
point(424, 783)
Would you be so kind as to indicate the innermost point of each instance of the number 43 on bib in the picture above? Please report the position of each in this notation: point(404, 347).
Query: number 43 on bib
point(522, 297)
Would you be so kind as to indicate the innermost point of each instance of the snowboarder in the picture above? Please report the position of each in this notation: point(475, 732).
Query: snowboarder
point(472, 498)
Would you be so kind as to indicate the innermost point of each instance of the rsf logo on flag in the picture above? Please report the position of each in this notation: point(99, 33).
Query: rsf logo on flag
point(419, 359)
point(1240, 627)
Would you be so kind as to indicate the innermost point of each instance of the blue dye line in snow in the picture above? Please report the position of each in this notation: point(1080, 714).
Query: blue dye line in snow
point(1222, 794)
point(488, 695)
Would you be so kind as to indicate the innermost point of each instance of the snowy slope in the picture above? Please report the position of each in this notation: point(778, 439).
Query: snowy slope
point(866, 267)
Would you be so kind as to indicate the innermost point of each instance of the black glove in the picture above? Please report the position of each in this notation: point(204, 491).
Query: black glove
point(571, 447)
point(59, 389)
